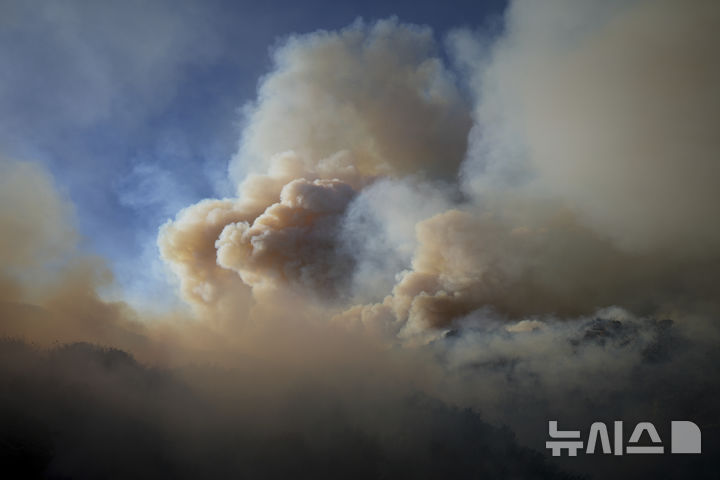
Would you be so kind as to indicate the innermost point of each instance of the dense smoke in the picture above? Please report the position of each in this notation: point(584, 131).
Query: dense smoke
point(529, 230)
point(340, 111)
point(610, 200)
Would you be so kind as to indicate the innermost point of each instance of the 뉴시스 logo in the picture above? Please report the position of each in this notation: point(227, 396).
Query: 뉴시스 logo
point(685, 437)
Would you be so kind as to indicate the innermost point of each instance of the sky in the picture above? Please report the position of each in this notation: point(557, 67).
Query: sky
point(136, 108)
point(388, 240)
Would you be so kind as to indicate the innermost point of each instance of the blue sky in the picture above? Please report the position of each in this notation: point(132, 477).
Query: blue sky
point(135, 106)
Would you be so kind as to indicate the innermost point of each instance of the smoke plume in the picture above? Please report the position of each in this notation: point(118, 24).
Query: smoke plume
point(522, 228)
point(610, 200)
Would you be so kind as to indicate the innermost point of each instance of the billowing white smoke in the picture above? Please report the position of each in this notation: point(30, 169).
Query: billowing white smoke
point(380, 92)
point(341, 111)
point(590, 179)
point(567, 260)
point(292, 240)
point(611, 107)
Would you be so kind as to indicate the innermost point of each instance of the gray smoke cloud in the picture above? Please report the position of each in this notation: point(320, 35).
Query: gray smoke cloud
point(557, 256)
point(560, 213)
point(611, 107)
point(533, 233)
